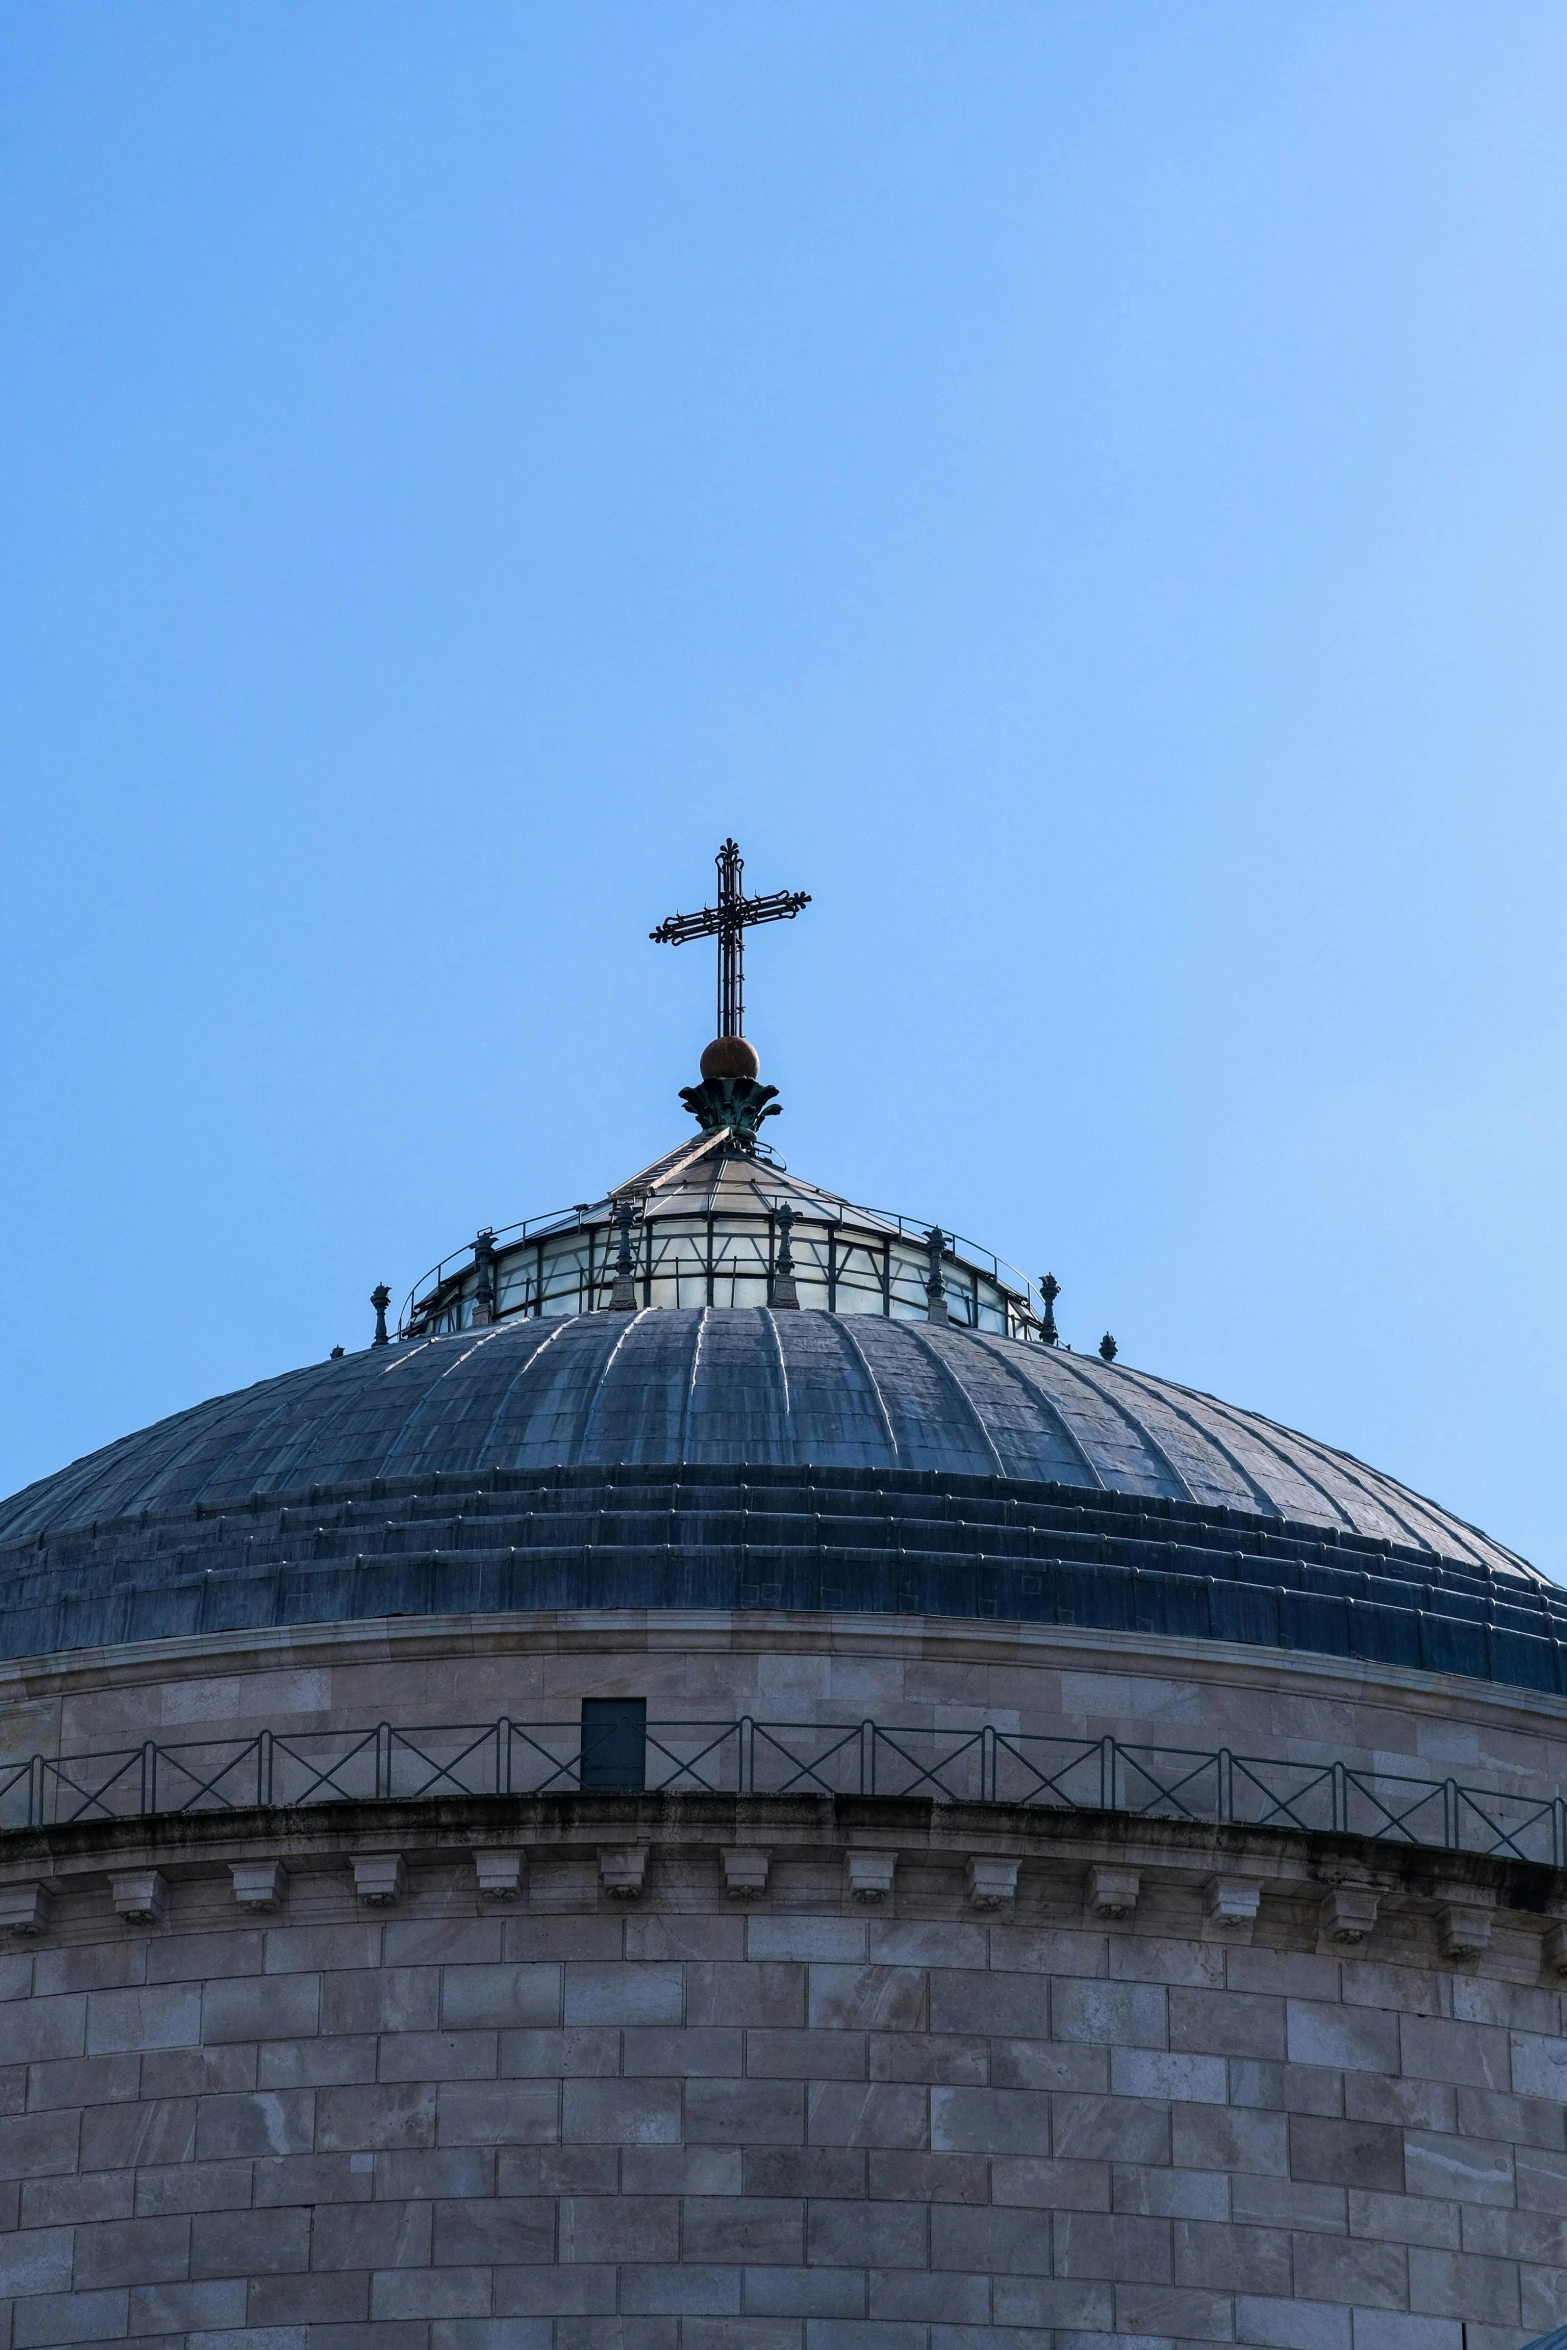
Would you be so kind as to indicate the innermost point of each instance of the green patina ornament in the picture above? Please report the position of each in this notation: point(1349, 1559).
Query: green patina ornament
point(738, 1103)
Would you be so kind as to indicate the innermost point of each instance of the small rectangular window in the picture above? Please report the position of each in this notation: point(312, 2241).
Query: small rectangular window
point(614, 1742)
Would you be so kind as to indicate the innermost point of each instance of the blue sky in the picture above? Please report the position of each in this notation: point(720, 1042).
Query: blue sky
point(1081, 489)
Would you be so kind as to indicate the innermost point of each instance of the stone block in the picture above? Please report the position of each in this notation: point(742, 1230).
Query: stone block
point(258, 1884)
point(831, 2333)
point(448, 1941)
point(503, 2232)
point(826, 1939)
point(680, 1937)
point(838, 2171)
point(1286, 2088)
point(497, 1875)
point(870, 2235)
point(1463, 1930)
point(1349, 2039)
point(24, 1909)
point(1079, 2065)
point(1075, 2304)
point(1411, 2105)
point(1403, 2219)
point(1179, 2312)
point(1553, 1950)
point(439, 2056)
point(624, 1994)
point(122, 2137)
point(382, 1999)
point(1291, 2325)
point(1345, 2269)
point(991, 1883)
point(299, 2298)
point(623, 1871)
point(269, 2122)
point(1114, 2246)
point(311, 1949)
point(867, 1876)
point(140, 1896)
point(1101, 2129)
point(1528, 2121)
point(166, 2015)
point(1539, 2237)
point(1347, 1917)
point(584, 2170)
point(739, 2333)
point(1541, 2179)
point(61, 2201)
point(951, 2058)
point(1289, 2203)
point(1233, 2259)
point(380, 1878)
point(804, 2292)
point(210, 2303)
point(81, 2080)
point(1230, 1905)
point(35, 2260)
point(745, 1871)
point(1151, 2193)
point(898, 2175)
point(683, 2053)
point(641, 2333)
point(499, 1995)
point(371, 2235)
point(132, 2252)
point(1473, 2055)
point(70, 2318)
point(1226, 2023)
point(921, 2296)
point(1122, 2015)
point(1230, 2138)
point(1346, 2153)
point(866, 1998)
point(249, 2243)
point(1150, 2072)
point(1112, 1893)
point(964, 2000)
point(585, 2050)
point(622, 2227)
point(192, 2186)
point(1465, 2170)
point(314, 2178)
point(392, 2115)
point(438, 2173)
point(806, 2055)
point(688, 2286)
point(255, 2007)
point(548, 2291)
point(1046, 2185)
point(691, 2170)
point(989, 2121)
point(448, 2292)
point(744, 2229)
point(1377, 2329)
point(318, 2063)
point(39, 2029)
point(879, 2114)
point(499, 2113)
point(634, 2113)
point(1539, 2065)
point(767, 1992)
point(744, 2113)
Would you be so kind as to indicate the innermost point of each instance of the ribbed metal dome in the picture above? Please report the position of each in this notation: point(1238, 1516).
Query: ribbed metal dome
point(745, 1387)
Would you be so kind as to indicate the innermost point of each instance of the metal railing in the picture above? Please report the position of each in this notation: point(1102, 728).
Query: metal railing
point(749, 1757)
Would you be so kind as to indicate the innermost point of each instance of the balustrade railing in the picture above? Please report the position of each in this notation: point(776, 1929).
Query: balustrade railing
point(749, 1757)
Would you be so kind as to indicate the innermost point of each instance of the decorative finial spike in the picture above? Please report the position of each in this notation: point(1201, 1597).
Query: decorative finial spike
point(623, 1296)
point(935, 1287)
point(1108, 1348)
point(1049, 1290)
point(380, 1298)
point(484, 1289)
point(784, 1290)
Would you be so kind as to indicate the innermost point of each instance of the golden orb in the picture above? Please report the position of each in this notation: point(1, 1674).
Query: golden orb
point(730, 1056)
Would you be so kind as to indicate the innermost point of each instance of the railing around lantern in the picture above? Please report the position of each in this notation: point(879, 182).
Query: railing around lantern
point(748, 1757)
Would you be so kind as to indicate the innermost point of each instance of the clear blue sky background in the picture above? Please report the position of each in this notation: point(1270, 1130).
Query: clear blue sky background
point(1080, 488)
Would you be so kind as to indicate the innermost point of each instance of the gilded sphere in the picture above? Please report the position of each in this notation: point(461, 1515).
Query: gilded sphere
point(730, 1056)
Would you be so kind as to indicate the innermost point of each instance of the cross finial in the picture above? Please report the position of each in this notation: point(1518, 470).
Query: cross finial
point(728, 922)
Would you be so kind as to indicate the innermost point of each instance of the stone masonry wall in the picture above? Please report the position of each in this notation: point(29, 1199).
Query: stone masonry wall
point(790, 2123)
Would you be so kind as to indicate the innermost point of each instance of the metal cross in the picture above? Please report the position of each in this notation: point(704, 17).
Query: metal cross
point(728, 922)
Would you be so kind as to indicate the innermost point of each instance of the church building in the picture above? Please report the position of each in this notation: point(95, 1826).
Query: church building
point(718, 1787)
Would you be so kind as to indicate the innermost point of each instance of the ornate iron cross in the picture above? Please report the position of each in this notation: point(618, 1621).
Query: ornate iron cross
point(728, 922)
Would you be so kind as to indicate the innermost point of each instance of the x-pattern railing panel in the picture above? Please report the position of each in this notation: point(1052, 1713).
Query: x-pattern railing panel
point(988, 1764)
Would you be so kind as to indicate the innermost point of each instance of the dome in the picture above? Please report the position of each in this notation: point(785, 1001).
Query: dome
point(735, 1456)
